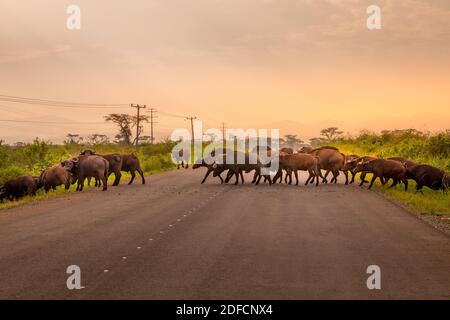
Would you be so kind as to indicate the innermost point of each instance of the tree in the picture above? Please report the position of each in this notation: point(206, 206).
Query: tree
point(73, 139)
point(126, 123)
point(331, 134)
point(291, 140)
point(96, 139)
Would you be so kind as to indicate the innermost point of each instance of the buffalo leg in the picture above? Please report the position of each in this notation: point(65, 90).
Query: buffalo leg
point(230, 174)
point(309, 178)
point(353, 177)
point(346, 176)
point(133, 175)
point(405, 181)
point(258, 180)
point(318, 174)
point(326, 177)
point(363, 178)
point(296, 177)
point(207, 174)
point(80, 183)
point(278, 175)
point(255, 177)
point(104, 179)
point(118, 176)
point(242, 176)
point(372, 182)
point(141, 173)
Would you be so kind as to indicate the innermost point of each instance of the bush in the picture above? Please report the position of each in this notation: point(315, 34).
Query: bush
point(410, 144)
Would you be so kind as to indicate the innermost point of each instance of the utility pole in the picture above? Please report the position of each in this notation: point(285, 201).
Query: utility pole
point(152, 117)
point(138, 120)
point(223, 130)
point(192, 132)
point(224, 143)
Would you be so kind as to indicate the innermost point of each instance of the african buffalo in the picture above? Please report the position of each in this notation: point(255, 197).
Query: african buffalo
point(55, 176)
point(88, 166)
point(132, 164)
point(385, 170)
point(428, 176)
point(115, 165)
point(331, 160)
point(19, 187)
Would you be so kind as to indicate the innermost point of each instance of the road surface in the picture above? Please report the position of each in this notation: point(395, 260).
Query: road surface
point(176, 239)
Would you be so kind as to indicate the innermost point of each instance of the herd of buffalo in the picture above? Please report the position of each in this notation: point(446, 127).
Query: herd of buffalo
point(90, 165)
point(331, 160)
point(87, 165)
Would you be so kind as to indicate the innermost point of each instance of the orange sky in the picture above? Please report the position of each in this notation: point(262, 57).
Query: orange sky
point(300, 65)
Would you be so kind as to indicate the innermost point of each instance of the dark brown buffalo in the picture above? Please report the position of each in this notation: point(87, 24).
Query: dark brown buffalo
point(407, 163)
point(385, 170)
point(300, 161)
point(19, 187)
point(428, 176)
point(88, 166)
point(132, 164)
point(115, 165)
point(208, 162)
point(331, 160)
point(55, 176)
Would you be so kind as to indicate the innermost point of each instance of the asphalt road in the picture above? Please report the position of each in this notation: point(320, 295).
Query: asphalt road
point(176, 239)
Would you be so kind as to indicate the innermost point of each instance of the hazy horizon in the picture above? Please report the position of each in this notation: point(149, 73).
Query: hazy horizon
point(299, 66)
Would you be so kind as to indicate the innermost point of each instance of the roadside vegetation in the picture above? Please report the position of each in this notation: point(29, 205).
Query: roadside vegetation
point(423, 148)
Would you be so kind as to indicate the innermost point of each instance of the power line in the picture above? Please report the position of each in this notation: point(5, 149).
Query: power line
point(172, 115)
point(49, 122)
point(60, 104)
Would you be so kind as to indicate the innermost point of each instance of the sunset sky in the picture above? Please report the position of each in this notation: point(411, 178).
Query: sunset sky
point(298, 65)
